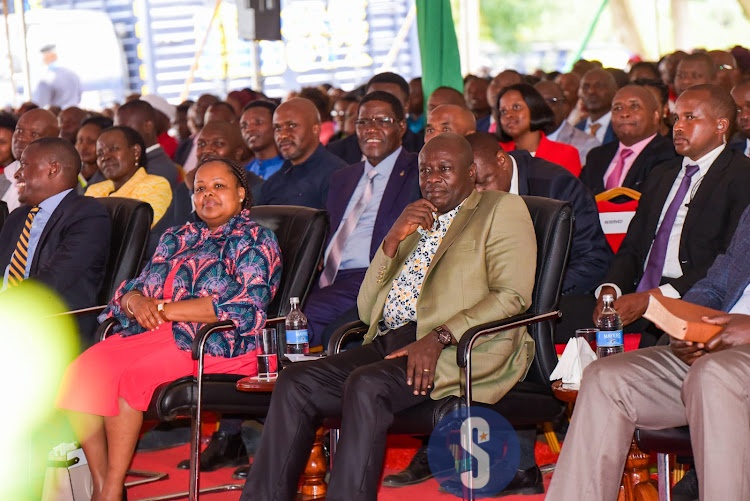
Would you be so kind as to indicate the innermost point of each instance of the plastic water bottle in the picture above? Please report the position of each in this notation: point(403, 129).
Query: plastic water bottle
point(609, 339)
point(297, 341)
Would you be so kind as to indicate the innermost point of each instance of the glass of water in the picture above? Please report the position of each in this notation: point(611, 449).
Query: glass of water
point(265, 342)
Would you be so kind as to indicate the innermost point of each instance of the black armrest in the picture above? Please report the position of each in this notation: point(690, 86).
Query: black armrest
point(105, 329)
point(206, 331)
point(469, 337)
point(346, 332)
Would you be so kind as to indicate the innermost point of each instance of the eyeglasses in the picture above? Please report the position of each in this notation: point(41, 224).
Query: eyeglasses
point(553, 100)
point(725, 67)
point(377, 122)
point(339, 113)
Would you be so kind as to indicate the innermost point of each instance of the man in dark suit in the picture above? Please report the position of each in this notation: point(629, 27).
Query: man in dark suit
point(519, 173)
point(687, 214)
point(356, 234)
point(597, 89)
point(348, 148)
point(68, 237)
point(703, 385)
point(627, 162)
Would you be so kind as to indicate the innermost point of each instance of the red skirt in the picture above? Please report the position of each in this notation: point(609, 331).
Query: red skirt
point(132, 368)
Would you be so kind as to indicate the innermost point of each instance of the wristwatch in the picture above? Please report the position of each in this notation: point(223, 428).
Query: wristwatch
point(445, 337)
point(160, 309)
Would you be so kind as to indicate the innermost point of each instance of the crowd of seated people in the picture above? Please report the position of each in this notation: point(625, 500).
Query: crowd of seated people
point(676, 131)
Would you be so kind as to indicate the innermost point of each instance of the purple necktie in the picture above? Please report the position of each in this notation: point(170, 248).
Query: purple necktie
point(613, 181)
point(655, 266)
point(338, 241)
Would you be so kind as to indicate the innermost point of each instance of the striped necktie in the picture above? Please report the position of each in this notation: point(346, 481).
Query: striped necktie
point(17, 269)
point(338, 241)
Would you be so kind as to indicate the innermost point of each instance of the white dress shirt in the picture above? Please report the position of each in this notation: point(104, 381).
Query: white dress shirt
point(604, 121)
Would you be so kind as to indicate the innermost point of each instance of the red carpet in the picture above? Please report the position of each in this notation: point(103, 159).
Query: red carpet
point(398, 456)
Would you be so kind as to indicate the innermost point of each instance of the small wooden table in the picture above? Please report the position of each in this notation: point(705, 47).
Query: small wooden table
point(313, 478)
point(636, 482)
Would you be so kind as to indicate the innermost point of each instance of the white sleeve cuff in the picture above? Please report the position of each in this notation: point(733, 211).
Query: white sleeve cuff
point(669, 291)
point(618, 292)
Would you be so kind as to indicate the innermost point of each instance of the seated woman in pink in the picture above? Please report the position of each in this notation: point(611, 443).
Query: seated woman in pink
point(524, 118)
point(225, 267)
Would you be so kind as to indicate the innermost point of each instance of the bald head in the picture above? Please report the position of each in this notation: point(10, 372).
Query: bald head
point(555, 98)
point(597, 89)
point(494, 166)
point(32, 125)
point(49, 166)
point(220, 139)
point(445, 95)
point(502, 80)
point(446, 171)
point(220, 111)
point(727, 71)
point(69, 121)
point(449, 118)
point(296, 129)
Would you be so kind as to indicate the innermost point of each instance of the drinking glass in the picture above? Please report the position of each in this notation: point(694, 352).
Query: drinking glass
point(267, 346)
point(589, 335)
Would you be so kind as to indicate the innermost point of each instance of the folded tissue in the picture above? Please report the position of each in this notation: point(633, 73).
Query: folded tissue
point(577, 355)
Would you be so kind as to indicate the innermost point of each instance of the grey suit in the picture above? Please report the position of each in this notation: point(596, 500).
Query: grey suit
point(653, 389)
point(159, 164)
point(583, 142)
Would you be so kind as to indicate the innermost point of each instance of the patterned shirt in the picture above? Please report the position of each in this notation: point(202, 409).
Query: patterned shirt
point(238, 266)
point(401, 304)
point(154, 190)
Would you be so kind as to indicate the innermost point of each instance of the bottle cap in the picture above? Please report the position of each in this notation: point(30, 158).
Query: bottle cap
point(294, 300)
point(608, 298)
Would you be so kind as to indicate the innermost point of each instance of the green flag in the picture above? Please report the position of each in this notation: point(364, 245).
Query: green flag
point(441, 62)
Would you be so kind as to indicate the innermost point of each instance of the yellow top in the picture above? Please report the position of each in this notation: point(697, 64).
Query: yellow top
point(154, 190)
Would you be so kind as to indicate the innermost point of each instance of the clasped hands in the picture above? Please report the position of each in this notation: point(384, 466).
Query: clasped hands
point(143, 309)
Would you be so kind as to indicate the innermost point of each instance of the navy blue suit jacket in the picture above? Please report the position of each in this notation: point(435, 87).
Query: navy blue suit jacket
point(401, 190)
point(713, 215)
point(609, 134)
point(590, 254)
point(657, 151)
point(71, 255)
point(728, 277)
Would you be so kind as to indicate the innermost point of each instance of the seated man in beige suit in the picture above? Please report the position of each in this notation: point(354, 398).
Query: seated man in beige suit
point(410, 298)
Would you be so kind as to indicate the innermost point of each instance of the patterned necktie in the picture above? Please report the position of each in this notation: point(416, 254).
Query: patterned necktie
point(613, 181)
point(20, 256)
point(594, 128)
point(655, 266)
point(338, 242)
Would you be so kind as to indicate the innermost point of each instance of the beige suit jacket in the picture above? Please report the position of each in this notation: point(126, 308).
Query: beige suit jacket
point(483, 271)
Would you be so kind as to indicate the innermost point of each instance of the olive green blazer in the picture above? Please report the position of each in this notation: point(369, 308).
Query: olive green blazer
point(483, 270)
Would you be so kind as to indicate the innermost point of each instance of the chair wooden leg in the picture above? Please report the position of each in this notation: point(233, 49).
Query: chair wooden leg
point(314, 477)
point(551, 437)
point(636, 473)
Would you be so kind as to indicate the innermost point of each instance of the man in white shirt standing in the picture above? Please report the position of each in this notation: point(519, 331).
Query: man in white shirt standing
point(687, 214)
point(31, 126)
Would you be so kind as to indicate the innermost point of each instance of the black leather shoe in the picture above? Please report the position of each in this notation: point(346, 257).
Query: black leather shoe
point(223, 450)
point(687, 488)
point(241, 473)
point(524, 482)
point(418, 471)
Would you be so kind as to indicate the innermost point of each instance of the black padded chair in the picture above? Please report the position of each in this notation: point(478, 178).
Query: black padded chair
point(531, 401)
point(666, 442)
point(131, 223)
point(301, 232)
point(3, 213)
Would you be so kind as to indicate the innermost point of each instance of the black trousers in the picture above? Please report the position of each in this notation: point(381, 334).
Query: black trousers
point(358, 385)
